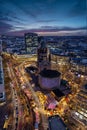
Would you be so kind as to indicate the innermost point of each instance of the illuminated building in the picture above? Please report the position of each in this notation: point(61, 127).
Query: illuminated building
point(79, 65)
point(43, 56)
point(78, 117)
point(49, 79)
point(0, 46)
point(31, 41)
point(64, 63)
point(60, 62)
point(2, 90)
point(13, 44)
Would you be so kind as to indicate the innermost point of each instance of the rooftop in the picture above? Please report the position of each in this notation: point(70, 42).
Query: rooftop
point(85, 86)
point(58, 93)
point(56, 123)
point(32, 68)
point(50, 73)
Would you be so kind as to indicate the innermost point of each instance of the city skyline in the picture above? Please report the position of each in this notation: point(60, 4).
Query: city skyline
point(48, 17)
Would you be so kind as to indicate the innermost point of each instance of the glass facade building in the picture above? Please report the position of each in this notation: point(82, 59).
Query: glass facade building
point(31, 41)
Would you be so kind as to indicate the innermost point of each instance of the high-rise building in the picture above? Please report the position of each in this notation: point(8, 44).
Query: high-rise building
point(2, 89)
point(31, 41)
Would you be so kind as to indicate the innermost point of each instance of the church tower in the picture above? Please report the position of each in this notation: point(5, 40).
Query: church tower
point(43, 59)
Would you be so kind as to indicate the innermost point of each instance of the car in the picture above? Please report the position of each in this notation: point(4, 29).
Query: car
point(16, 99)
point(16, 118)
point(16, 103)
point(17, 112)
point(16, 124)
point(36, 126)
point(16, 108)
point(6, 117)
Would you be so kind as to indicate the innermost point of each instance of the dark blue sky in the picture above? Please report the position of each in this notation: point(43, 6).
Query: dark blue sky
point(45, 17)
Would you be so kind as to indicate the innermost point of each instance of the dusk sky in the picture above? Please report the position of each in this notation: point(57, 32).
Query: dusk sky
point(45, 17)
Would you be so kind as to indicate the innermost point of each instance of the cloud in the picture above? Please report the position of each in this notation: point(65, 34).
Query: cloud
point(19, 15)
point(27, 8)
point(13, 15)
point(47, 21)
point(4, 27)
point(50, 30)
point(56, 28)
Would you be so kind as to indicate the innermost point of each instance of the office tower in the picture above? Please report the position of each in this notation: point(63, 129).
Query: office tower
point(31, 41)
